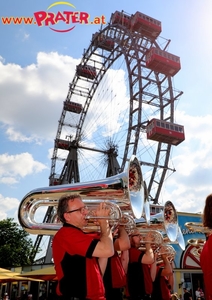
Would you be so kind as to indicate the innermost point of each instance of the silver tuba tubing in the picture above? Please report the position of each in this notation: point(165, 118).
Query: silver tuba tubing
point(125, 189)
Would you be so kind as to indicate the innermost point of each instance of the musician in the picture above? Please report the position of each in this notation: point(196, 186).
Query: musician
point(205, 256)
point(163, 283)
point(139, 276)
point(75, 253)
point(115, 275)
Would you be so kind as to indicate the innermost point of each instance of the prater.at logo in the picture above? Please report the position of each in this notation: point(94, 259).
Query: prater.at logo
point(65, 17)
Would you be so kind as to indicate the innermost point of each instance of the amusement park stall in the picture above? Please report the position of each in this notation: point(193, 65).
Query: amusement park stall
point(187, 269)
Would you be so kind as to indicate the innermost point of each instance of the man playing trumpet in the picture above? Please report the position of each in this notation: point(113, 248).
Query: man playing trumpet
point(139, 276)
point(75, 253)
point(163, 283)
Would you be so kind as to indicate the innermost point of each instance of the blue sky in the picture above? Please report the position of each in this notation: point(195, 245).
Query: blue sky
point(37, 65)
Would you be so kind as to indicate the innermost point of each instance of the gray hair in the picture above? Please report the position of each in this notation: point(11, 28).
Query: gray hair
point(63, 205)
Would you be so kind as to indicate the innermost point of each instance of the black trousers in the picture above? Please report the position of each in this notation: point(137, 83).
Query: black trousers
point(70, 298)
point(114, 294)
point(146, 297)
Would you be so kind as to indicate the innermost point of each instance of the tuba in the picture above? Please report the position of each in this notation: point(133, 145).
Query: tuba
point(165, 221)
point(125, 190)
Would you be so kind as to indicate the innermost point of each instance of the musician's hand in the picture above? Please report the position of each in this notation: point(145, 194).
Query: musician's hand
point(103, 212)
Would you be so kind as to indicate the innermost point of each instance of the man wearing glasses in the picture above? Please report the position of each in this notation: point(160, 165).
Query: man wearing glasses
point(140, 277)
point(75, 253)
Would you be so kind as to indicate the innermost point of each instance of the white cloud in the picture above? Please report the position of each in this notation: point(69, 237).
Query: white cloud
point(34, 96)
point(8, 180)
point(12, 167)
point(14, 135)
point(8, 206)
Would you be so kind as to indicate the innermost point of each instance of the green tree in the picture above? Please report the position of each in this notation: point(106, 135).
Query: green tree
point(16, 248)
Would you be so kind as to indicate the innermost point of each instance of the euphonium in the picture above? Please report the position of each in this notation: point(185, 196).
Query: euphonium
point(198, 227)
point(165, 221)
point(128, 222)
point(166, 250)
point(196, 242)
point(125, 189)
point(155, 237)
point(116, 218)
point(198, 245)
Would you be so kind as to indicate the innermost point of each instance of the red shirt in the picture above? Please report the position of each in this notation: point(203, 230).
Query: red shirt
point(114, 276)
point(206, 265)
point(161, 290)
point(139, 281)
point(77, 271)
point(147, 279)
point(165, 291)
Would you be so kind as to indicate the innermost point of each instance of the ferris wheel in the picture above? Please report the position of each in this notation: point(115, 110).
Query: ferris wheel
point(121, 102)
point(123, 82)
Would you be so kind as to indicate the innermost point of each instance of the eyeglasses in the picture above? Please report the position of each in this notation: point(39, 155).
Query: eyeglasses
point(135, 235)
point(81, 209)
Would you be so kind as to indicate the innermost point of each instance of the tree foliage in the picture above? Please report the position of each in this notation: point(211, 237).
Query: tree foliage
point(16, 248)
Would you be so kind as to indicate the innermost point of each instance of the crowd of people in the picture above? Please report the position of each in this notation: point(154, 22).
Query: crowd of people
point(106, 265)
point(199, 294)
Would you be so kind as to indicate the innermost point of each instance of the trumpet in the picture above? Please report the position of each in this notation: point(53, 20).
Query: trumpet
point(125, 190)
